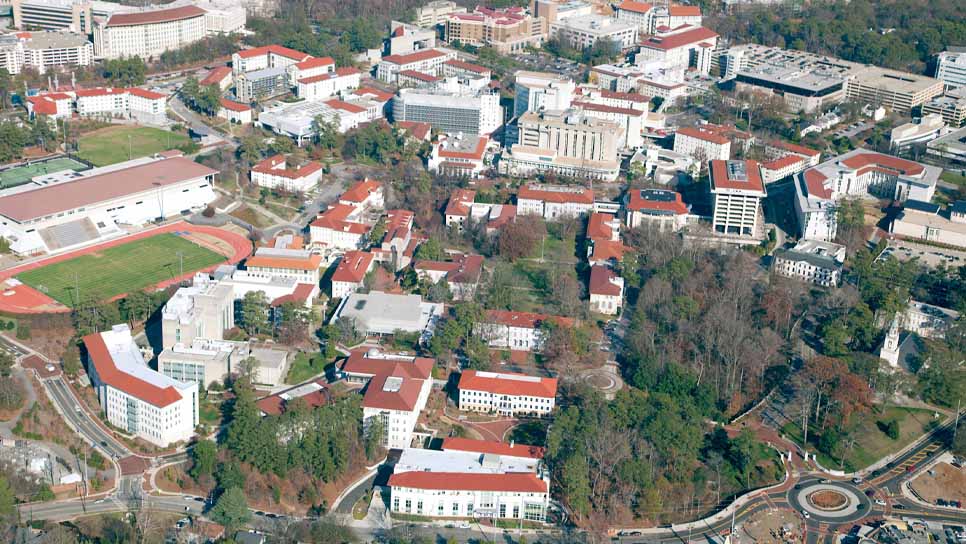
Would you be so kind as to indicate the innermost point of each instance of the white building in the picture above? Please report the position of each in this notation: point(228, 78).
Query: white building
point(469, 484)
point(606, 290)
point(702, 144)
point(274, 173)
point(328, 84)
point(136, 103)
point(518, 331)
point(148, 34)
point(811, 261)
point(427, 61)
point(44, 51)
point(202, 361)
point(586, 30)
point(737, 189)
point(142, 402)
point(378, 313)
point(951, 68)
point(680, 47)
point(50, 105)
point(436, 12)
point(631, 121)
point(313, 66)
point(924, 221)
point(298, 264)
point(554, 201)
point(66, 210)
point(781, 168)
point(459, 155)
point(267, 56)
point(640, 14)
point(450, 106)
point(235, 112)
point(297, 120)
point(405, 38)
point(350, 273)
point(535, 91)
point(920, 131)
point(204, 310)
point(340, 228)
point(859, 173)
point(506, 394)
point(655, 208)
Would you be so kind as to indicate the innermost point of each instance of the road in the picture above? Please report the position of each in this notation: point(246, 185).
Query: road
point(82, 421)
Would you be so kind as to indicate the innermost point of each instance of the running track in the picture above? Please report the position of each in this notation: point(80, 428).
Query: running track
point(26, 300)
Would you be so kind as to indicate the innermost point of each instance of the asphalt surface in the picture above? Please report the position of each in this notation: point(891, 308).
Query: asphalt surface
point(80, 420)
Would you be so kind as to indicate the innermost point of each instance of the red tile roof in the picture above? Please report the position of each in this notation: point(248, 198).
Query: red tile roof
point(109, 374)
point(335, 217)
point(508, 383)
point(90, 190)
point(404, 399)
point(418, 75)
point(680, 39)
point(468, 66)
point(702, 133)
point(636, 7)
point(459, 202)
point(720, 179)
point(684, 11)
point(99, 91)
point(516, 482)
point(311, 262)
point(487, 446)
point(591, 106)
point(315, 62)
point(358, 362)
point(353, 267)
point(600, 282)
point(535, 192)
point(418, 56)
point(815, 184)
point(301, 294)
point(144, 93)
point(274, 405)
point(597, 226)
point(888, 162)
point(233, 106)
point(417, 129)
point(274, 49)
point(630, 97)
point(382, 96)
point(271, 166)
point(344, 106)
point(361, 191)
point(607, 250)
point(782, 162)
point(463, 269)
point(216, 76)
point(638, 200)
point(476, 154)
point(156, 16)
point(526, 320)
point(795, 148)
point(43, 105)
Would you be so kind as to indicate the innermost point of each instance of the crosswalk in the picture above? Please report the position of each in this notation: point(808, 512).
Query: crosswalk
point(914, 460)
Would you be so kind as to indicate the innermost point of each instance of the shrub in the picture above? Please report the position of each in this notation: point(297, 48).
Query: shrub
point(209, 212)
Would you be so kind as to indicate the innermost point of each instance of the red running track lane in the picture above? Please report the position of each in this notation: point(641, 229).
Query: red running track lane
point(26, 300)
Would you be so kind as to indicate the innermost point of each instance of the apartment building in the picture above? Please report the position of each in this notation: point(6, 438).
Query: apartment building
point(554, 201)
point(567, 143)
point(350, 273)
point(655, 208)
point(491, 483)
point(606, 290)
point(276, 173)
point(858, 173)
point(811, 261)
point(427, 61)
point(506, 394)
point(508, 30)
point(519, 331)
point(147, 34)
point(135, 398)
point(737, 190)
point(136, 103)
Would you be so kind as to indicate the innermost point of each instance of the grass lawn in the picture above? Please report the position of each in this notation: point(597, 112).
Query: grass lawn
point(111, 145)
point(304, 367)
point(871, 444)
point(954, 178)
point(120, 269)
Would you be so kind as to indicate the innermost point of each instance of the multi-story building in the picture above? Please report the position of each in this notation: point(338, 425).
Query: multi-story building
point(73, 15)
point(462, 274)
point(220, 76)
point(487, 482)
point(554, 201)
point(506, 394)
point(920, 132)
point(427, 61)
point(508, 30)
point(339, 228)
point(536, 91)
point(362, 365)
point(675, 16)
point(606, 290)
point(313, 66)
point(44, 51)
point(274, 173)
point(350, 273)
point(925, 221)
point(364, 195)
point(737, 189)
point(951, 147)
point(777, 149)
point(395, 394)
point(679, 48)
point(205, 310)
point(951, 106)
point(148, 34)
point(782, 167)
point(859, 173)
point(702, 143)
point(898, 91)
point(95, 202)
point(202, 361)
point(811, 261)
point(141, 401)
point(50, 105)
point(298, 264)
point(636, 13)
point(405, 38)
point(142, 104)
point(298, 120)
point(951, 67)
point(459, 155)
point(462, 208)
point(631, 120)
point(518, 331)
point(559, 10)
point(267, 56)
point(567, 143)
point(450, 107)
point(262, 84)
point(234, 112)
point(436, 13)
point(652, 208)
point(460, 68)
point(587, 30)
point(325, 85)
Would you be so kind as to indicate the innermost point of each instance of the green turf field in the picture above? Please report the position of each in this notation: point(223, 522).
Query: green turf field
point(111, 145)
point(119, 269)
point(22, 174)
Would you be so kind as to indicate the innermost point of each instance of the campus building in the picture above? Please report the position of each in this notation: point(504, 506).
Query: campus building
point(350, 273)
point(895, 90)
point(44, 50)
point(450, 107)
point(506, 394)
point(267, 56)
point(69, 209)
point(426, 61)
point(329, 83)
point(436, 12)
point(951, 68)
point(148, 34)
point(518, 331)
point(535, 91)
point(458, 155)
point(470, 484)
point(204, 310)
point(462, 274)
point(606, 290)
point(679, 48)
point(811, 261)
point(710, 142)
point(261, 84)
point(462, 207)
point(655, 208)
point(508, 30)
point(379, 313)
point(136, 103)
point(930, 223)
point(298, 264)
point(587, 30)
point(141, 401)
point(274, 173)
point(554, 201)
point(737, 189)
point(859, 173)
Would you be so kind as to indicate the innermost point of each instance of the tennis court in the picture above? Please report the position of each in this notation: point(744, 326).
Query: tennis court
point(19, 175)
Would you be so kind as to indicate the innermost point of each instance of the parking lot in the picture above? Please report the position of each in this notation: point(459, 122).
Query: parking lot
point(541, 62)
point(905, 250)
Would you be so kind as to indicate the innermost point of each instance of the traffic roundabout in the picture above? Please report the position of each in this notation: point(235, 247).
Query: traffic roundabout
point(829, 501)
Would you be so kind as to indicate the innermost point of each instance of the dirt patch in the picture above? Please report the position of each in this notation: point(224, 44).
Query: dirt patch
point(779, 525)
point(213, 243)
point(827, 499)
point(946, 482)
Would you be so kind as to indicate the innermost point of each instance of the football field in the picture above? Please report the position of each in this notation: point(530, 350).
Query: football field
point(121, 269)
